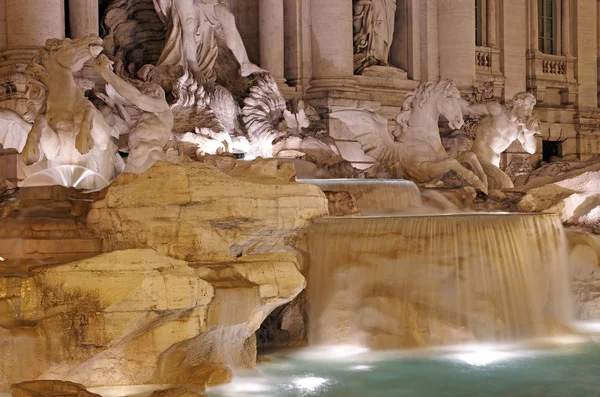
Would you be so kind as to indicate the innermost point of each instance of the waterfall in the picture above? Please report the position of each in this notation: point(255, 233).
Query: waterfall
point(375, 196)
point(405, 281)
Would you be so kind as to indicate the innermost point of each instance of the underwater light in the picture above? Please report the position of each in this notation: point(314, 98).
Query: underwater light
point(360, 368)
point(331, 352)
point(310, 383)
point(344, 351)
point(483, 355)
point(247, 387)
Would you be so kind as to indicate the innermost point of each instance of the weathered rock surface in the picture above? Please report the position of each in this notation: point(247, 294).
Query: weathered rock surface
point(176, 392)
point(584, 259)
point(576, 198)
point(137, 317)
point(342, 204)
point(194, 212)
point(286, 326)
point(50, 388)
point(195, 261)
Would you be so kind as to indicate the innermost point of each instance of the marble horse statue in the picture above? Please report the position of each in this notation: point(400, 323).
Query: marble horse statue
point(414, 151)
point(67, 129)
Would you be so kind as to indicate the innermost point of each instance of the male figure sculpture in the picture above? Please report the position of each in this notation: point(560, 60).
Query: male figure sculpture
point(149, 135)
point(500, 127)
point(192, 28)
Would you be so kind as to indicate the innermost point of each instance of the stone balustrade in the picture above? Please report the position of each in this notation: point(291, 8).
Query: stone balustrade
point(548, 73)
point(483, 59)
point(487, 65)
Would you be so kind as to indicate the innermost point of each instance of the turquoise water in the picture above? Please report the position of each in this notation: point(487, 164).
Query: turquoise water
point(566, 371)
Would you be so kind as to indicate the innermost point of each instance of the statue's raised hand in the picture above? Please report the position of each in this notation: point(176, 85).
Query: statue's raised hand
point(103, 64)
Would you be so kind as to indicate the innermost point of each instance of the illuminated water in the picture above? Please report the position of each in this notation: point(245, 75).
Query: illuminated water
point(396, 282)
point(568, 371)
point(68, 176)
point(375, 196)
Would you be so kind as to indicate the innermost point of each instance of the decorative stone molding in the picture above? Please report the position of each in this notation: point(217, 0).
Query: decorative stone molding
point(545, 71)
point(487, 65)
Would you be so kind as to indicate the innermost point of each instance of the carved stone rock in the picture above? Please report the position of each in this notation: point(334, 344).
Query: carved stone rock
point(199, 213)
point(50, 388)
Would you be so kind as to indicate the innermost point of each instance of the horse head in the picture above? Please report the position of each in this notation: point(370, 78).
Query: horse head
point(427, 102)
point(71, 54)
point(449, 104)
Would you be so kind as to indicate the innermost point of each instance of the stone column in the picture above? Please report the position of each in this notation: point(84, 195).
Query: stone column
point(456, 37)
point(533, 25)
point(83, 17)
point(28, 24)
point(2, 25)
point(31, 22)
point(271, 33)
point(332, 46)
point(566, 27)
point(514, 35)
point(491, 23)
point(586, 67)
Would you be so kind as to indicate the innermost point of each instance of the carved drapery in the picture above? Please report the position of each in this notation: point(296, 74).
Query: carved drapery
point(373, 28)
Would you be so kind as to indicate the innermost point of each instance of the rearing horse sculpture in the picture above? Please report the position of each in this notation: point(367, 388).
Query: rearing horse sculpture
point(415, 149)
point(71, 131)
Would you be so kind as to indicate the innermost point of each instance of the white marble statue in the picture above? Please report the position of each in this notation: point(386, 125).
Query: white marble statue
point(499, 128)
point(415, 149)
point(374, 22)
point(66, 128)
point(193, 26)
point(152, 130)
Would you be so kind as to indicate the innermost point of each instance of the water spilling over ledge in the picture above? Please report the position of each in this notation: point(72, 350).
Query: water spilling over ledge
point(67, 176)
point(393, 282)
point(375, 196)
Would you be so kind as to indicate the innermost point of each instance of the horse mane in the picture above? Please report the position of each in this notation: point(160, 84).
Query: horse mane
point(421, 95)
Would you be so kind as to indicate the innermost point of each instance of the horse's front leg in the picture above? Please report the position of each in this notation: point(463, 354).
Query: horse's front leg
point(84, 142)
point(40, 140)
point(436, 169)
point(471, 159)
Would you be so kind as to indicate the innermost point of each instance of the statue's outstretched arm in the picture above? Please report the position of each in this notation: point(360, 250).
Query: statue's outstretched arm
point(482, 109)
point(128, 91)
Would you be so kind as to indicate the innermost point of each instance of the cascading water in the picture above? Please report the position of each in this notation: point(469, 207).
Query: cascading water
point(375, 196)
point(68, 176)
point(392, 282)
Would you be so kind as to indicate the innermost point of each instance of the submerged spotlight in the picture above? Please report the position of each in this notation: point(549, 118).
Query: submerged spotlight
point(310, 383)
point(483, 355)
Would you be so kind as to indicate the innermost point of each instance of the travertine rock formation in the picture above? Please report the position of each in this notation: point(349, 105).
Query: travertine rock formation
point(584, 259)
point(197, 213)
point(170, 303)
point(175, 392)
point(137, 317)
point(574, 196)
point(50, 388)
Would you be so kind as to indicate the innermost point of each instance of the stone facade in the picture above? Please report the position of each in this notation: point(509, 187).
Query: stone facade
point(308, 47)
